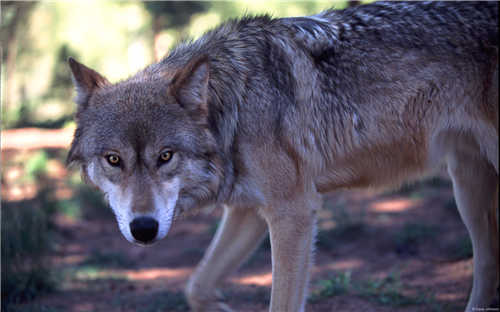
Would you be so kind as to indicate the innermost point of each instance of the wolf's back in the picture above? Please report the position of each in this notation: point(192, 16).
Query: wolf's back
point(448, 25)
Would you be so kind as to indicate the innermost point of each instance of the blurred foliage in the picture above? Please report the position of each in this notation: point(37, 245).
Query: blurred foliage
point(121, 38)
point(36, 165)
point(173, 13)
point(26, 241)
point(28, 232)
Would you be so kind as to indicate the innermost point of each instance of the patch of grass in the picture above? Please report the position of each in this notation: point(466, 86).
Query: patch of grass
point(26, 242)
point(388, 291)
point(407, 240)
point(334, 286)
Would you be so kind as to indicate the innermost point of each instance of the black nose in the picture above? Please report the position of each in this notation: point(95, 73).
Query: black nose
point(144, 229)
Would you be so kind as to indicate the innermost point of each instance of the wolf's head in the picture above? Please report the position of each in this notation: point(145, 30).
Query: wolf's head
point(145, 143)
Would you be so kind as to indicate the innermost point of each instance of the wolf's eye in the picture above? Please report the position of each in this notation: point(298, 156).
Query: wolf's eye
point(165, 157)
point(113, 160)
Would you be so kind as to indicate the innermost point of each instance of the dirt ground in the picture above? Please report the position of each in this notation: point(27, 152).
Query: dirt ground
point(165, 267)
point(389, 251)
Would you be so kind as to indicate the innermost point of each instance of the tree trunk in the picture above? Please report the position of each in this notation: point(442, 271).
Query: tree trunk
point(10, 33)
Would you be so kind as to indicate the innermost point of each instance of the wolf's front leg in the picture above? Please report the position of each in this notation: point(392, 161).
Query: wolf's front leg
point(292, 229)
point(240, 232)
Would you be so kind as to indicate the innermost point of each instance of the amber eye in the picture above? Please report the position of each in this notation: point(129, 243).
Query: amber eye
point(113, 160)
point(165, 157)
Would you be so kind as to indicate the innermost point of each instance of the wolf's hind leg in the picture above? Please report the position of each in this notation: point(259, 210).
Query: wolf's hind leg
point(475, 186)
point(240, 232)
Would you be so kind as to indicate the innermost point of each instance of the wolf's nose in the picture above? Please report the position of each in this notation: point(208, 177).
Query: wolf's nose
point(144, 229)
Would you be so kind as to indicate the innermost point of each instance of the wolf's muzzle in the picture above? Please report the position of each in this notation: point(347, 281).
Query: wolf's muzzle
point(144, 229)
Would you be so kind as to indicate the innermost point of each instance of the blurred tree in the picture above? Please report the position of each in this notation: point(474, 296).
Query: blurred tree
point(61, 87)
point(353, 3)
point(172, 14)
point(61, 84)
point(13, 20)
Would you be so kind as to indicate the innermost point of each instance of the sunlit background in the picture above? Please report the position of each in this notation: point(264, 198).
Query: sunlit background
point(116, 37)
point(61, 248)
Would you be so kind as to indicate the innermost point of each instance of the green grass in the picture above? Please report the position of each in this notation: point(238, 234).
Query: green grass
point(334, 286)
point(388, 291)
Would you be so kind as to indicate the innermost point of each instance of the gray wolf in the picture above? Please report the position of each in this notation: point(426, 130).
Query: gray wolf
point(263, 115)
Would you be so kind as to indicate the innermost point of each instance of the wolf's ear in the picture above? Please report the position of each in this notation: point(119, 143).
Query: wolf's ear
point(190, 86)
point(86, 81)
